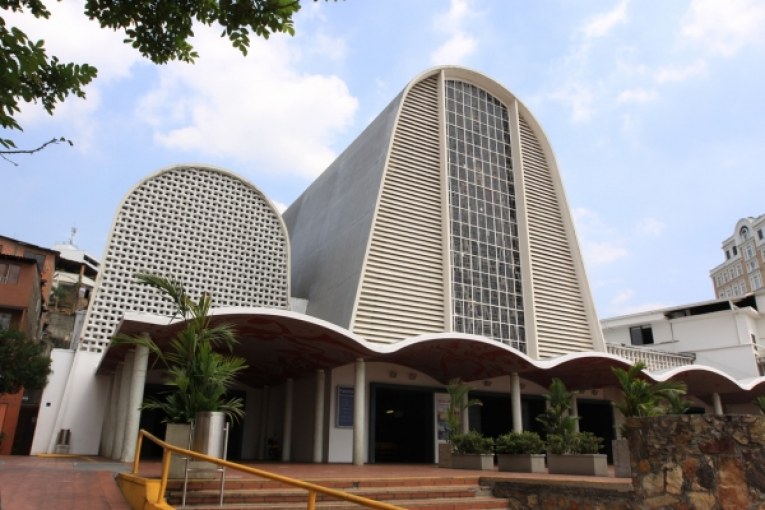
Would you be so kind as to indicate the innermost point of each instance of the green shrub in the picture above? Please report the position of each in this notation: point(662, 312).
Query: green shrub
point(577, 442)
point(520, 442)
point(472, 442)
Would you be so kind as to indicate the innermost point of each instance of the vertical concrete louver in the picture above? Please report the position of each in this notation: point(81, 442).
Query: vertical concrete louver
point(562, 323)
point(402, 290)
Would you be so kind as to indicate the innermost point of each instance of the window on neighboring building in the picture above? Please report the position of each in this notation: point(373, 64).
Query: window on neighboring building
point(756, 280)
point(760, 235)
point(744, 233)
point(735, 251)
point(9, 273)
point(641, 335)
point(5, 321)
point(727, 254)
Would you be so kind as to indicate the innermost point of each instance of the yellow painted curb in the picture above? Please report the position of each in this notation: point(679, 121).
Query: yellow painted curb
point(140, 493)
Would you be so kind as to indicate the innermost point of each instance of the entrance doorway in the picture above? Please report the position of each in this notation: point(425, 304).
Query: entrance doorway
point(597, 416)
point(402, 424)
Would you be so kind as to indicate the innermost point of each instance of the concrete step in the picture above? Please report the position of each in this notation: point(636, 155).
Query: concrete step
point(439, 493)
point(478, 503)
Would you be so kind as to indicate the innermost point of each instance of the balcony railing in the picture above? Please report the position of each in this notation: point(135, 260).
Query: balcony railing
point(654, 360)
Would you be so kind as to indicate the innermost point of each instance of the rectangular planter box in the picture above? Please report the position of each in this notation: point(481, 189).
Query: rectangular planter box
point(483, 461)
point(521, 463)
point(578, 464)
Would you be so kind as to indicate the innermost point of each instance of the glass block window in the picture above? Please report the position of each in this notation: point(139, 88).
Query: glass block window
point(487, 296)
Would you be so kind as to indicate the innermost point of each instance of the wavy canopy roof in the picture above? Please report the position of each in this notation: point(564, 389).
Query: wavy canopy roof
point(279, 345)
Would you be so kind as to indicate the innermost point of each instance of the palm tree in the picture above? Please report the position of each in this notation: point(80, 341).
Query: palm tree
point(458, 404)
point(643, 398)
point(557, 418)
point(199, 374)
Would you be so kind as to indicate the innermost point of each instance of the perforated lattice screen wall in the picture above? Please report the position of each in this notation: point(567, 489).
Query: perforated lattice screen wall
point(206, 228)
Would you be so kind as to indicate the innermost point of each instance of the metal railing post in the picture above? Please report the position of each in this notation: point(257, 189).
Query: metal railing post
point(137, 457)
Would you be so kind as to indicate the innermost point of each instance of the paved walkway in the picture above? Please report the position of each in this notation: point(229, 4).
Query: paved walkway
point(87, 483)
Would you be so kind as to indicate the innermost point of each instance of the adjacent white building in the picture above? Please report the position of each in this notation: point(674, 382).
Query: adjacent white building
point(727, 334)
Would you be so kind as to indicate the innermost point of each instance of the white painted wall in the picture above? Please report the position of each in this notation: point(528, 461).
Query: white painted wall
point(722, 340)
point(81, 407)
point(50, 402)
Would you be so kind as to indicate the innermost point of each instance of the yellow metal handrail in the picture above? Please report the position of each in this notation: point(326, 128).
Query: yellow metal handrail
point(312, 489)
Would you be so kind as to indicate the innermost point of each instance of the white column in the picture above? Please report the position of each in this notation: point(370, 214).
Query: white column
point(515, 401)
point(287, 430)
point(359, 401)
point(137, 383)
point(122, 406)
point(318, 423)
point(575, 411)
point(717, 403)
point(110, 421)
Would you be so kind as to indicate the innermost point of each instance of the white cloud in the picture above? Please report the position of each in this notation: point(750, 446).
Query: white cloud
point(598, 243)
point(622, 297)
point(257, 109)
point(602, 24)
point(71, 36)
point(637, 95)
point(455, 50)
point(579, 98)
point(459, 45)
point(650, 227)
point(671, 74)
point(601, 253)
point(724, 27)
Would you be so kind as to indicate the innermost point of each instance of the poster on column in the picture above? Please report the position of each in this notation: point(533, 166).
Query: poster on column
point(442, 413)
point(344, 407)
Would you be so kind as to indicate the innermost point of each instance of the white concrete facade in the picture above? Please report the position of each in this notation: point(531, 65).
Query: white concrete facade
point(725, 334)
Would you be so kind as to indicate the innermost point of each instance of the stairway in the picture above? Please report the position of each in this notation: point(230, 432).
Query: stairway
point(426, 493)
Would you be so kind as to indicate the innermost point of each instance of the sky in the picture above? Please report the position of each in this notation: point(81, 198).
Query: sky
point(654, 110)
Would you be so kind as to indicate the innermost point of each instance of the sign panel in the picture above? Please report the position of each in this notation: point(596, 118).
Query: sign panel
point(344, 406)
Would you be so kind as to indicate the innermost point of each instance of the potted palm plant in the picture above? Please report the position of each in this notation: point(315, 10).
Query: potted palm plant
point(640, 397)
point(458, 404)
point(522, 452)
point(472, 451)
point(197, 374)
point(569, 452)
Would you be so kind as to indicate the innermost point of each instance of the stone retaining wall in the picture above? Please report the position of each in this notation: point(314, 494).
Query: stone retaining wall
point(698, 461)
point(687, 462)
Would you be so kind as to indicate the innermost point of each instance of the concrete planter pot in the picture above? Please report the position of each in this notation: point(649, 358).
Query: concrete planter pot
point(521, 462)
point(621, 451)
point(591, 464)
point(178, 434)
point(482, 461)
